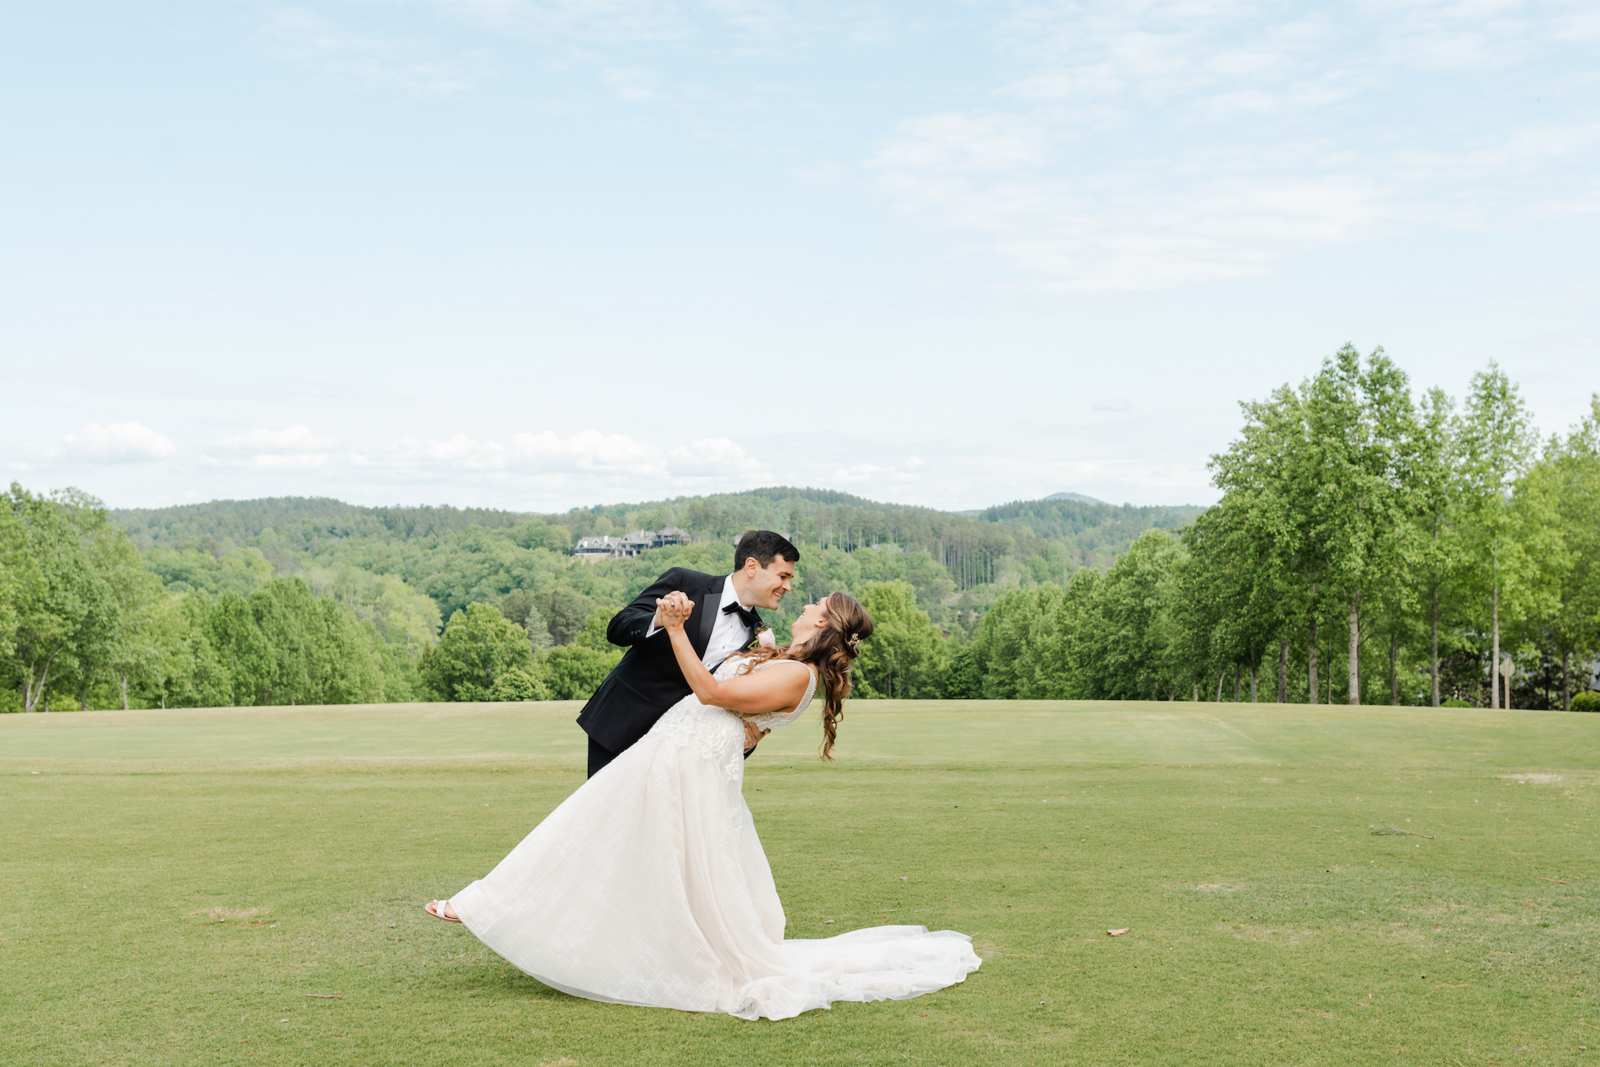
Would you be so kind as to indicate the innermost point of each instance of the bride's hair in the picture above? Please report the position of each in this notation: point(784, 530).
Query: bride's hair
point(832, 652)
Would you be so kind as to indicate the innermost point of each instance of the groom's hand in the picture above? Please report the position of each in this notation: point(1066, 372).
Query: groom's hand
point(672, 609)
point(752, 734)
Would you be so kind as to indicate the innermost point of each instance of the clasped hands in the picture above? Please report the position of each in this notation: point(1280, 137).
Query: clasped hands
point(673, 610)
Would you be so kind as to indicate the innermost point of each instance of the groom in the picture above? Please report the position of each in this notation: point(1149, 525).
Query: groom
point(648, 681)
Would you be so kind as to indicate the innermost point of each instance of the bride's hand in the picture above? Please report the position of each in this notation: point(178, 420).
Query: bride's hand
point(674, 610)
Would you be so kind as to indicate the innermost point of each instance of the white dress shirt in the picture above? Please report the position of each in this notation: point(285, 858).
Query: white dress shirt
point(728, 633)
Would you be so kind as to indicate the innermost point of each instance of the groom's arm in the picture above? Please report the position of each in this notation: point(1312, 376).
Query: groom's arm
point(631, 625)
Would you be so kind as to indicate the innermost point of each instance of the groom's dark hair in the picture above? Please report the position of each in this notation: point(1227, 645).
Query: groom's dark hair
point(765, 546)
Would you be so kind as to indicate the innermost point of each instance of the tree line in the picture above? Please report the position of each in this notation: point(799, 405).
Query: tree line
point(1370, 547)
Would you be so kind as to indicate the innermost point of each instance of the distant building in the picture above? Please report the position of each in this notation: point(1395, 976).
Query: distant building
point(640, 541)
point(593, 548)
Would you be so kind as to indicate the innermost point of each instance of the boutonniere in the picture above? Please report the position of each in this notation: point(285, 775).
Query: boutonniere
point(764, 638)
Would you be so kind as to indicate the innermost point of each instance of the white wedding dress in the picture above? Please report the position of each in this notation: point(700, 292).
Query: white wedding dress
point(649, 886)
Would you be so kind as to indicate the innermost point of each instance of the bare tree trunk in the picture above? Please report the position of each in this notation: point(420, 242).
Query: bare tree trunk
point(1238, 673)
point(1566, 680)
point(1312, 688)
point(1355, 651)
point(1252, 683)
point(1494, 670)
point(83, 701)
point(1394, 676)
point(1283, 670)
point(1434, 654)
point(1196, 692)
point(1223, 673)
point(34, 695)
point(122, 676)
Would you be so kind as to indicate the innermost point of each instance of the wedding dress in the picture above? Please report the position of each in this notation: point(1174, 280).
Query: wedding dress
point(649, 886)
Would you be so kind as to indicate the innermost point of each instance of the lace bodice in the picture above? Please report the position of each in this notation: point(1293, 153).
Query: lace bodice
point(718, 734)
point(773, 719)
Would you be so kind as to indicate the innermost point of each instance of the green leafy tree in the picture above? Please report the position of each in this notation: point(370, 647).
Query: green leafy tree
point(963, 677)
point(1361, 429)
point(574, 672)
point(478, 645)
point(904, 659)
point(248, 661)
point(1495, 442)
point(64, 618)
point(518, 684)
point(1557, 503)
point(1020, 651)
point(1121, 655)
point(188, 673)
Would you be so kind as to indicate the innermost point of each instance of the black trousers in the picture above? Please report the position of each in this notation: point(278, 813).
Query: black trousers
point(599, 757)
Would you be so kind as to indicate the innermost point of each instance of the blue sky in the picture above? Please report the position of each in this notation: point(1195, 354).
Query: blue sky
point(545, 254)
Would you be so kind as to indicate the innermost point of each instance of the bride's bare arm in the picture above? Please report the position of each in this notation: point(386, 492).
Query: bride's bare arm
point(747, 694)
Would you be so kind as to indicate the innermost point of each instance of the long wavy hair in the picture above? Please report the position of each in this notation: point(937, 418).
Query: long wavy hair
point(832, 652)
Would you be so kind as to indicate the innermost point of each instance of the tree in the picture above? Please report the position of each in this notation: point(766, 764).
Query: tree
point(1434, 515)
point(1496, 441)
point(1119, 638)
point(1020, 651)
point(1361, 429)
point(574, 672)
point(188, 672)
point(478, 644)
point(904, 658)
point(1558, 506)
point(247, 660)
point(518, 684)
point(63, 620)
point(1271, 478)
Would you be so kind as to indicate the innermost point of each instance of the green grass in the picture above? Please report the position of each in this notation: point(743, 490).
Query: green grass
point(175, 881)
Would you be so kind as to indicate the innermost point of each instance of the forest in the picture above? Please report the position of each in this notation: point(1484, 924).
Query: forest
point(248, 602)
point(1371, 545)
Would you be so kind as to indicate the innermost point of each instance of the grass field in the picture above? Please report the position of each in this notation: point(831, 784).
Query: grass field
point(176, 882)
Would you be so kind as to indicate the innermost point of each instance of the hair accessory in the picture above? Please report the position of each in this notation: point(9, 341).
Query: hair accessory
point(854, 641)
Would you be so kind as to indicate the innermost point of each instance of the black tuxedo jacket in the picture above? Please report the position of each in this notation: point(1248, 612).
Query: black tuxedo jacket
point(648, 681)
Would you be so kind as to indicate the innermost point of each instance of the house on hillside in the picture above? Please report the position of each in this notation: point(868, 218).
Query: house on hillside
point(593, 548)
point(644, 540)
point(636, 543)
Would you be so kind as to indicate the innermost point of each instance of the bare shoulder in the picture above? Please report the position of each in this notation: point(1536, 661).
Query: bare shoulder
point(792, 667)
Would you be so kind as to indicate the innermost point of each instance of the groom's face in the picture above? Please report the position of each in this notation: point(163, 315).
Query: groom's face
point(768, 584)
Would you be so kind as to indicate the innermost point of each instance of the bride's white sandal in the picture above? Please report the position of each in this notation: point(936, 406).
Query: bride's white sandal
point(436, 909)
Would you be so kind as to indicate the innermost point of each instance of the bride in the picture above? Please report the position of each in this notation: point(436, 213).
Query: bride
point(649, 885)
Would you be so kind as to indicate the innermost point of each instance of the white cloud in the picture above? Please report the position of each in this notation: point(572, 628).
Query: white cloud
point(587, 451)
point(871, 474)
point(377, 61)
point(1112, 403)
point(120, 442)
point(298, 437)
point(1168, 144)
point(303, 461)
point(710, 458)
point(545, 457)
point(293, 449)
point(631, 83)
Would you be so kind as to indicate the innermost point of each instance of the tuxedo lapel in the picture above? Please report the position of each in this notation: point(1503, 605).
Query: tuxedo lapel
point(710, 607)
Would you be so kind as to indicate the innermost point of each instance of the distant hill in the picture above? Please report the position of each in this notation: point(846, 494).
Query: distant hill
point(1042, 539)
point(243, 520)
point(1079, 497)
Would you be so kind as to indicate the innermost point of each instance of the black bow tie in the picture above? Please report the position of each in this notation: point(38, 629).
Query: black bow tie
point(751, 619)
